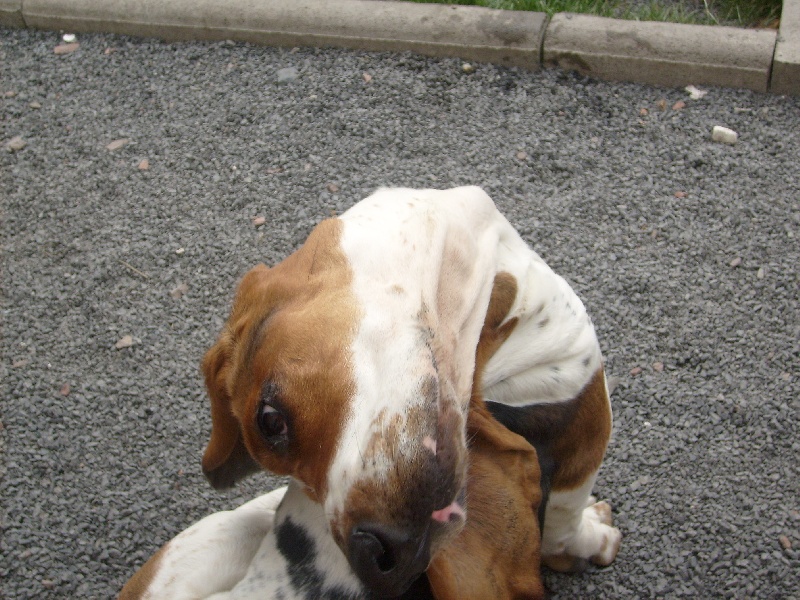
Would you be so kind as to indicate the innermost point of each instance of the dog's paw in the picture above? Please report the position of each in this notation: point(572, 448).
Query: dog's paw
point(600, 513)
point(612, 542)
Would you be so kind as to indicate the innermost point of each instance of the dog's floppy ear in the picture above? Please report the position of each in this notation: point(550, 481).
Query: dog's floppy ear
point(226, 459)
point(496, 555)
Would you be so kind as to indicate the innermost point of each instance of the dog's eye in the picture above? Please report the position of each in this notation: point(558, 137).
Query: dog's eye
point(274, 427)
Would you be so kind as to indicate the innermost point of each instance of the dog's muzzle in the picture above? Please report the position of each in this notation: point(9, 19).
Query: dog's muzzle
point(390, 548)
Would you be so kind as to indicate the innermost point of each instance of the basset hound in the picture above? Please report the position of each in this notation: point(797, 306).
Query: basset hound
point(350, 365)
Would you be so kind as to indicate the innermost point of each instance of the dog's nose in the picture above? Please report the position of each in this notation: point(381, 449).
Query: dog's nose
point(386, 559)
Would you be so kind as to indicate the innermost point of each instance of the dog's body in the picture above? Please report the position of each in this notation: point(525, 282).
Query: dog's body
point(279, 547)
point(350, 366)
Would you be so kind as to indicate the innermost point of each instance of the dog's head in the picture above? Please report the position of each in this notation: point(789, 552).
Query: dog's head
point(357, 405)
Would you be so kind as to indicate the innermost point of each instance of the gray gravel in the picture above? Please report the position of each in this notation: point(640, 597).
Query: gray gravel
point(686, 252)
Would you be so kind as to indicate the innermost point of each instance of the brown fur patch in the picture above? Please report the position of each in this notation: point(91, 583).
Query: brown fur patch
point(578, 451)
point(292, 326)
point(494, 332)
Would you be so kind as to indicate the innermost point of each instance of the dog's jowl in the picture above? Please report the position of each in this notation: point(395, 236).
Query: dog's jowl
point(350, 365)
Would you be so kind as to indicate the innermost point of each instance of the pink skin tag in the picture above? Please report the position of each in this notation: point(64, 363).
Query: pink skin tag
point(443, 515)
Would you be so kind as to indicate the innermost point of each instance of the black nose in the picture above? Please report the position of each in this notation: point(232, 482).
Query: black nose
point(386, 559)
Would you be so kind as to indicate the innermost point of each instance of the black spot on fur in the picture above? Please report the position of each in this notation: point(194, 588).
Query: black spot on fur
point(300, 551)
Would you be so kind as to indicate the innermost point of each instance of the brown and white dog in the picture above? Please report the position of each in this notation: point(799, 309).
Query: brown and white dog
point(279, 546)
point(349, 366)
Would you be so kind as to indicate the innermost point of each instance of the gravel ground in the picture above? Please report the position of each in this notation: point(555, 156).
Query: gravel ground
point(686, 252)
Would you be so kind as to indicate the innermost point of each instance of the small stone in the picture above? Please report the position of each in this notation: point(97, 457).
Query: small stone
point(287, 75)
point(69, 37)
point(367, 77)
point(48, 583)
point(144, 164)
point(521, 155)
point(19, 363)
point(15, 144)
point(785, 542)
point(65, 389)
point(679, 105)
point(117, 144)
point(643, 112)
point(681, 194)
point(35, 105)
point(761, 273)
point(468, 68)
point(332, 188)
point(274, 170)
point(62, 49)
point(259, 221)
point(736, 262)
point(636, 371)
point(180, 251)
point(10, 94)
point(662, 104)
point(658, 366)
point(695, 93)
point(124, 342)
point(724, 135)
point(179, 291)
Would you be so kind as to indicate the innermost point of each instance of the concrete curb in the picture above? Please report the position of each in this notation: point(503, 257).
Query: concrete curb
point(655, 53)
point(660, 53)
point(11, 13)
point(503, 37)
point(786, 63)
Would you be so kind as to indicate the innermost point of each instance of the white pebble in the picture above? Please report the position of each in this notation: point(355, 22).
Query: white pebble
point(724, 135)
point(69, 37)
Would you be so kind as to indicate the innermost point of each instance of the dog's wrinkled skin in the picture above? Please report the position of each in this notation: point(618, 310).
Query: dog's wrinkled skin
point(349, 366)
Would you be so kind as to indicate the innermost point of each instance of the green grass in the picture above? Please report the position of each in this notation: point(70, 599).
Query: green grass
point(741, 13)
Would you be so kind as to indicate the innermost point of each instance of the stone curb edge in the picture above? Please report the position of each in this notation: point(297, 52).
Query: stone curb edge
point(662, 54)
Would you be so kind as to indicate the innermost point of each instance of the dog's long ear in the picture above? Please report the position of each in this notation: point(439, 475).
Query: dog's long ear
point(226, 459)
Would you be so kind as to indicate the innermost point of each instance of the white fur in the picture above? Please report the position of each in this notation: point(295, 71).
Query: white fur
point(214, 553)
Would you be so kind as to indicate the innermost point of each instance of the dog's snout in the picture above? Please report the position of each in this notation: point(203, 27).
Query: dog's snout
point(386, 559)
